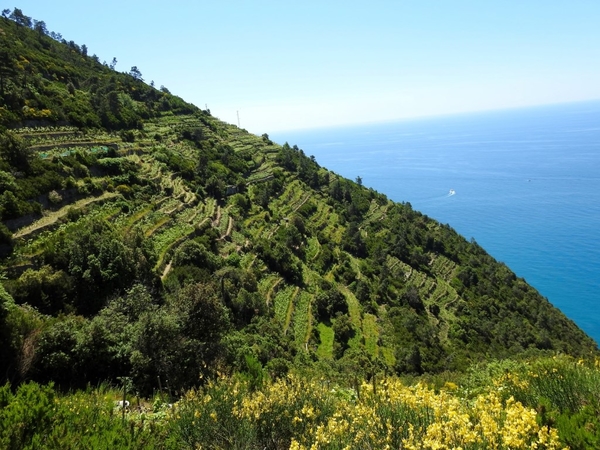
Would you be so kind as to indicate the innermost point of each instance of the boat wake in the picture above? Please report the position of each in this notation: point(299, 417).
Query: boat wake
point(436, 199)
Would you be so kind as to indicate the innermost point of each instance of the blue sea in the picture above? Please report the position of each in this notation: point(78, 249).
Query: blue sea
point(524, 183)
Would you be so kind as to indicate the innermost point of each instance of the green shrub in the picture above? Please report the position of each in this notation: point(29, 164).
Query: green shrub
point(54, 197)
point(25, 415)
point(124, 190)
point(36, 417)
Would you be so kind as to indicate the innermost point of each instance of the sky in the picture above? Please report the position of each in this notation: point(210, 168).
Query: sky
point(287, 65)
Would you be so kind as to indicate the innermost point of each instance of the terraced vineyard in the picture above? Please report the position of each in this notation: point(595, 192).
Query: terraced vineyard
point(284, 305)
point(174, 214)
point(212, 247)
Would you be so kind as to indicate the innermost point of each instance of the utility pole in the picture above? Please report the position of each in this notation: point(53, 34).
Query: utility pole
point(238, 116)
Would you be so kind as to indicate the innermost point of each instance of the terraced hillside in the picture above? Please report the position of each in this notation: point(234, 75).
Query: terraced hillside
point(153, 241)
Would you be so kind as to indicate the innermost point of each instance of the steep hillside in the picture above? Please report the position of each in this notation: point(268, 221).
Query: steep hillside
point(142, 237)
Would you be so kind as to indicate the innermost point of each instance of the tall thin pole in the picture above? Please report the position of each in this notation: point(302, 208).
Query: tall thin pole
point(124, 399)
point(238, 116)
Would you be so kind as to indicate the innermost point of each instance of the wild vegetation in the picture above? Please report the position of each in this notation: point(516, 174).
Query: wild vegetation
point(145, 243)
point(548, 403)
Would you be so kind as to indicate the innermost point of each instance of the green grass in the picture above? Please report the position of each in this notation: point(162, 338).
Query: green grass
point(301, 320)
point(354, 308)
point(326, 336)
point(371, 334)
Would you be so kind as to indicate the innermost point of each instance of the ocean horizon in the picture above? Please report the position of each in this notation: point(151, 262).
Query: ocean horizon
point(524, 183)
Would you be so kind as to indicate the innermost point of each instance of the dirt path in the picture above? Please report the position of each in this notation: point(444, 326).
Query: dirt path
point(290, 311)
point(229, 226)
point(270, 293)
point(302, 202)
point(318, 251)
point(166, 271)
point(217, 220)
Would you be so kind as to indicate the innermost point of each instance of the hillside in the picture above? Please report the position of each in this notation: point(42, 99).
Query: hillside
point(142, 237)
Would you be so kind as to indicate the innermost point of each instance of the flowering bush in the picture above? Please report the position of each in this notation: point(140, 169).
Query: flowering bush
point(545, 403)
point(297, 413)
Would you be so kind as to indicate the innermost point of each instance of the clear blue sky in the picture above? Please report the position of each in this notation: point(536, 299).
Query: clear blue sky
point(288, 65)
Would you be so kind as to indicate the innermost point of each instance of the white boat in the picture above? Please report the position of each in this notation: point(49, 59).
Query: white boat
point(452, 192)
